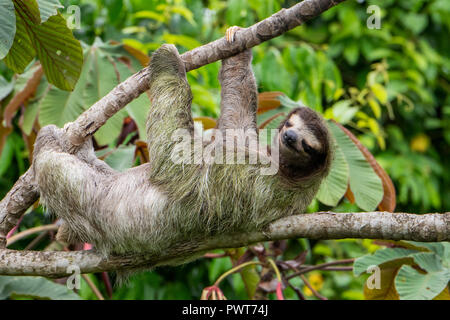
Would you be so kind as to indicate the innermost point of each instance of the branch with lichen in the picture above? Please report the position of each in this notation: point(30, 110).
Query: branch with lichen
point(430, 227)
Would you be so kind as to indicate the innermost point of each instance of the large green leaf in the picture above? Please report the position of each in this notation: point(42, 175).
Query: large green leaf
point(7, 26)
point(34, 287)
point(101, 79)
point(57, 49)
point(335, 184)
point(138, 108)
point(22, 51)
point(59, 107)
point(413, 285)
point(5, 87)
point(59, 52)
point(428, 261)
point(364, 182)
point(122, 158)
point(379, 257)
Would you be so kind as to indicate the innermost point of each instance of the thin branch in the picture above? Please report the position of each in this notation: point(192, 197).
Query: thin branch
point(25, 193)
point(319, 266)
point(26, 233)
point(310, 287)
point(320, 225)
point(93, 287)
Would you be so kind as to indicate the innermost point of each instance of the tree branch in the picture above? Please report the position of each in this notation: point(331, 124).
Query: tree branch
point(24, 192)
point(320, 225)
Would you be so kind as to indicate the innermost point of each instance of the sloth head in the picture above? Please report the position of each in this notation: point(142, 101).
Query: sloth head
point(305, 147)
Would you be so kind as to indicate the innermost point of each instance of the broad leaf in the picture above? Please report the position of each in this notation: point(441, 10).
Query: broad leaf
point(34, 287)
point(5, 87)
point(33, 78)
point(57, 49)
point(334, 185)
point(7, 26)
point(413, 285)
point(379, 257)
point(365, 184)
point(389, 196)
point(22, 51)
point(59, 52)
point(121, 158)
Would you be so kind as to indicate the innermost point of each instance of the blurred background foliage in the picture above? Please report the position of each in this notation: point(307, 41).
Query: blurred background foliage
point(389, 85)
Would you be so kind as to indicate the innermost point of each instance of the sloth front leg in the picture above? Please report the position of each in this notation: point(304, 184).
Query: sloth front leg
point(67, 184)
point(169, 114)
point(238, 93)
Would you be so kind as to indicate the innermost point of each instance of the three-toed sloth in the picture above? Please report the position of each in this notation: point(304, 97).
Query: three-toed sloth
point(149, 208)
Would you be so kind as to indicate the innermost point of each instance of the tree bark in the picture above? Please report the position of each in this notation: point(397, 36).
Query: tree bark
point(320, 225)
point(11, 209)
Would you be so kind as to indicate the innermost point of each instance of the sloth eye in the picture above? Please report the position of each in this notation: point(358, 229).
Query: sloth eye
point(308, 149)
point(288, 124)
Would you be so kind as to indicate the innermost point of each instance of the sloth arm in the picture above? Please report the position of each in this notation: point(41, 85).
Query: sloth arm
point(170, 112)
point(239, 93)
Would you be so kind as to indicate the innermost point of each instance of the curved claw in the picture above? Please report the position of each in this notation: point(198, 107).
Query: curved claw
point(229, 34)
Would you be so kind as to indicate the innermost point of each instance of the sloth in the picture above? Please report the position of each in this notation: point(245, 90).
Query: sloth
point(151, 207)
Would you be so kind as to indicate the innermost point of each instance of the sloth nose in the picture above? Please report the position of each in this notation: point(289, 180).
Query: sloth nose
point(290, 137)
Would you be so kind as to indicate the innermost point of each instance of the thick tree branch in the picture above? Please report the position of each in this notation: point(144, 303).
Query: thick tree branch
point(11, 209)
point(320, 225)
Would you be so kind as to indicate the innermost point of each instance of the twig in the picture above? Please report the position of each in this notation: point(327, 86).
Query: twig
point(30, 231)
point(215, 255)
point(319, 266)
point(296, 290)
point(310, 287)
point(107, 282)
point(36, 240)
point(93, 287)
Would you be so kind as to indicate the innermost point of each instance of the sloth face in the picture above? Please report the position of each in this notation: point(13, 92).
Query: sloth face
point(303, 138)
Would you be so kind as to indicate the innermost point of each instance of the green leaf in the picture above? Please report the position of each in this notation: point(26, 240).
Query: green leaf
point(380, 92)
point(146, 14)
point(379, 257)
point(343, 112)
point(34, 287)
point(122, 158)
point(7, 26)
point(364, 182)
point(5, 87)
point(7, 155)
point(413, 285)
point(101, 79)
point(351, 53)
point(415, 22)
point(335, 184)
point(59, 52)
point(138, 110)
point(22, 51)
point(48, 8)
point(429, 261)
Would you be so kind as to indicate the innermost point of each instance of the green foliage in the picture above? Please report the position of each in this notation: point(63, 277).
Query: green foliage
point(421, 270)
point(34, 287)
point(44, 33)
